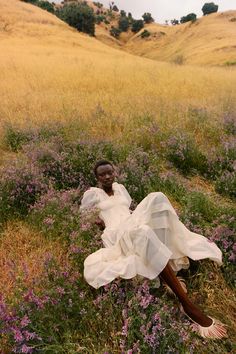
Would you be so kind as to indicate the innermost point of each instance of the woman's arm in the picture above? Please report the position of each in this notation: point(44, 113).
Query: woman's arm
point(100, 223)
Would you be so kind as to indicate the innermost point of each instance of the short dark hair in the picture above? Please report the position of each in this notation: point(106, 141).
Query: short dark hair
point(101, 163)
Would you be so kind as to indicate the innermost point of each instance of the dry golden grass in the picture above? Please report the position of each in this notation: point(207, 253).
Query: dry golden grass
point(22, 254)
point(50, 72)
point(210, 40)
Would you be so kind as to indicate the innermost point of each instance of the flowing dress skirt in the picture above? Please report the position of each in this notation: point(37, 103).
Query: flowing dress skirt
point(144, 242)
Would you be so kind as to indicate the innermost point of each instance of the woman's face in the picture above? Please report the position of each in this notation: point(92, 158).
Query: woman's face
point(105, 175)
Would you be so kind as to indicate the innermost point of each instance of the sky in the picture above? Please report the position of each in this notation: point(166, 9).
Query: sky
point(162, 10)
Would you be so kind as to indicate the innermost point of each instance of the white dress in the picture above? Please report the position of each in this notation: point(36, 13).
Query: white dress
point(142, 242)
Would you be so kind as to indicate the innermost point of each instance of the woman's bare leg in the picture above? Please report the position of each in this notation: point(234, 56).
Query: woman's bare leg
point(191, 310)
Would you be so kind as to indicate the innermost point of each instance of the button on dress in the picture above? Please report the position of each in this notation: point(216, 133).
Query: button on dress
point(141, 242)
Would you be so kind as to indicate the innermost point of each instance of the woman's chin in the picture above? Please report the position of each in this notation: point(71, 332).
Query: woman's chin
point(108, 185)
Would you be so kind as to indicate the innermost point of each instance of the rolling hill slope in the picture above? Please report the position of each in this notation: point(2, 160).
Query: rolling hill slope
point(211, 40)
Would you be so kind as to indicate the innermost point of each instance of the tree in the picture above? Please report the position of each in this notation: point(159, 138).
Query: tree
point(43, 4)
point(190, 17)
point(115, 8)
point(123, 24)
point(115, 32)
point(98, 4)
point(209, 8)
point(122, 13)
point(99, 19)
point(174, 22)
point(78, 15)
point(34, 2)
point(46, 5)
point(147, 17)
point(137, 25)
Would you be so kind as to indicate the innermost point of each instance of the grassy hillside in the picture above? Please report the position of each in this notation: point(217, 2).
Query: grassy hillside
point(66, 76)
point(66, 101)
point(211, 40)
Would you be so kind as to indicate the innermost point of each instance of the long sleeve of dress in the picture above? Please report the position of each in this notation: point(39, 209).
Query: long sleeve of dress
point(125, 193)
point(89, 200)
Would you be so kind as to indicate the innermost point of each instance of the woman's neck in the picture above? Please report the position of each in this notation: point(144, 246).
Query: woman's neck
point(108, 190)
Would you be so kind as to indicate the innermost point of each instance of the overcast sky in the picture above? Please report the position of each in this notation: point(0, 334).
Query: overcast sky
point(163, 10)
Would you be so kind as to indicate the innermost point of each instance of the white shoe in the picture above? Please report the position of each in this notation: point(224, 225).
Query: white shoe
point(216, 330)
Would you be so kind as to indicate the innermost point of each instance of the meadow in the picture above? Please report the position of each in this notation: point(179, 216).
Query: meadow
point(66, 101)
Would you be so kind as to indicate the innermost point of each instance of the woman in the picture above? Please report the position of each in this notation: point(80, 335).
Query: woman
point(149, 242)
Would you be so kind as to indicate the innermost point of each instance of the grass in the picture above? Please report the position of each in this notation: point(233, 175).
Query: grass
point(68, 77)
point(67, 85)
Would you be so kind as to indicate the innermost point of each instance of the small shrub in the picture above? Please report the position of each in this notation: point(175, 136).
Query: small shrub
point(222, 233)
point(178, 59)
point(137, 25)
point(53, 159)
point(222, 159)
point(115, 32)
point(185, 155)
point(15, 138)
point(174, 22)
point(230, 63)
point(98, 4)
point(56, 213)
point(229, 123)
point(137, 172)
point(190, 17)
point(199, 210)
point(169, 185)
point(226, 184)
point(20, 186)
point(145, 34)
point(99, 19)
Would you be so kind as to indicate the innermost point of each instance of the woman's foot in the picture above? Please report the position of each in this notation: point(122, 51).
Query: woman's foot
point(205, 326)
point(195, 315)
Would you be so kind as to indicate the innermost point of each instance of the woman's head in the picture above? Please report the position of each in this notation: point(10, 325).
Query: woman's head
point(105, 173)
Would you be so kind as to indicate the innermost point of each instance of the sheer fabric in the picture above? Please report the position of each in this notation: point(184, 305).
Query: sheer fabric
point(142, 242)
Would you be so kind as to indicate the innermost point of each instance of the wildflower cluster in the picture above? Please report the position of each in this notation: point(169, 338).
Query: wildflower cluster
point(222, 166)
point(56, 213)
point(21, 184)
point(147, 321)
point(185, 155)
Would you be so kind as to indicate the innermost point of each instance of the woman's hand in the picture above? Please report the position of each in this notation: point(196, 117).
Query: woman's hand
point(100, 223)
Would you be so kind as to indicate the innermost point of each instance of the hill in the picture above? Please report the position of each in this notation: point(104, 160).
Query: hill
point(211, 40)
point(86, 78)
